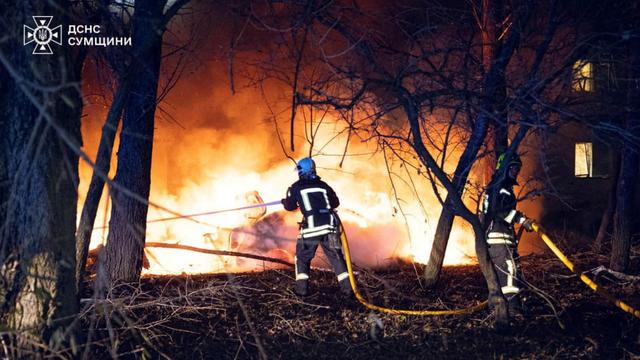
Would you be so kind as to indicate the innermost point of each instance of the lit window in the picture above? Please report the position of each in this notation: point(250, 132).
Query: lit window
point(582, 76)
point(584, 160)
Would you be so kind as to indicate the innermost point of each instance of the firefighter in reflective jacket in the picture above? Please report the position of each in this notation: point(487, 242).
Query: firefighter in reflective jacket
point(317, 202)
point(500, 216)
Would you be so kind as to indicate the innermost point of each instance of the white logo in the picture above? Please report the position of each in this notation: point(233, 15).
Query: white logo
point(42, 35)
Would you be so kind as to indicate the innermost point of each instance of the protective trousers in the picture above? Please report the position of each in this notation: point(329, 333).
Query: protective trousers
point(505, 261)
point(306, 250)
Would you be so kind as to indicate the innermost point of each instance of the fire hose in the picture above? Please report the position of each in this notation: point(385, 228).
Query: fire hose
point(588, 281)
point(345, 244)
point(216, 211)
point(191, 216)
point(365, 303)
point(352, 279)
point(547, 240)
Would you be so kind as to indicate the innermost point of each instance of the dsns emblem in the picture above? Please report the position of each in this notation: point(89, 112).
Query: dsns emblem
point(42, 35)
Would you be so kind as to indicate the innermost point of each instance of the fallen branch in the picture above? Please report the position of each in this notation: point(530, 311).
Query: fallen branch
point(618, 275)
point(217, 252)
point(603, 270)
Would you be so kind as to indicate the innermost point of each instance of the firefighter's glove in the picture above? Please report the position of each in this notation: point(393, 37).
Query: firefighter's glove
point(528, 224)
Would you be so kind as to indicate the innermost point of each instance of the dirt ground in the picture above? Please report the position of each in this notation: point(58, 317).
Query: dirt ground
point(242, 316)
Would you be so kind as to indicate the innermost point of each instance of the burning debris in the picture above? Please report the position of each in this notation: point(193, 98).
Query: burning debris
point(261, 233)
point(263, 236)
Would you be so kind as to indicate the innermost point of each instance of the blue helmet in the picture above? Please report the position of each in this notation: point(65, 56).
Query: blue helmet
point(306, 168)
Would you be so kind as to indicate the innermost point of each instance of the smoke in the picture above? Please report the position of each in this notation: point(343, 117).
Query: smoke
point(211, 148)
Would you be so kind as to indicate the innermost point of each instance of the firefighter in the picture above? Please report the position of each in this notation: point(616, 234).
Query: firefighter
point(317, 201)
point(500, 216)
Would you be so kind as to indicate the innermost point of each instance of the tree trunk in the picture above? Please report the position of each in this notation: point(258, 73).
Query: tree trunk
point(609, 211)
point(440, 241)
point(102, 167)
point(623, 218)
point(125, 243)
point(39, 179)
point(493, 86)
point(621, 242)
point(496, 300)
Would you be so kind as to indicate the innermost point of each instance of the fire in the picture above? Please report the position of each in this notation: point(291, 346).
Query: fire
point(221, 164)
point(376, 229)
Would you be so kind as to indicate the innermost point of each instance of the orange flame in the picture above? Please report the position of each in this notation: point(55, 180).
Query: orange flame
point(201, 169)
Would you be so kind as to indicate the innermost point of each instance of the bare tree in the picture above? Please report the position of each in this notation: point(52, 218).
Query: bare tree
point(492, 24)
point(41, 106)
point(408, 79)
point(429, 92)
point(115, 24)
point(125, 242)
point(96, 186)
point(630, 158)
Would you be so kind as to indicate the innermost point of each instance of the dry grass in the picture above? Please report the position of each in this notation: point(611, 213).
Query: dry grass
point(256, 315)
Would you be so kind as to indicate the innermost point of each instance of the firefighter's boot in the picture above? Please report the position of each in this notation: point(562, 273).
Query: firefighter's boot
point(515, 307)
point(302, 287)
point(345, 287)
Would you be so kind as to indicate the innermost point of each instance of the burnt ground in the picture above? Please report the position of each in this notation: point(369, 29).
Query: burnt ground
point(242, 315)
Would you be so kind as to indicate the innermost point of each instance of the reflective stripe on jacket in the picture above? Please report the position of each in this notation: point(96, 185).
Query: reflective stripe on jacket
point(316, 200)
point(500, 212)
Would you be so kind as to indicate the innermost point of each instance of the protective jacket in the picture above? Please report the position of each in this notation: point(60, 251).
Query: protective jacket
point(316, 201)
point(499, 207)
